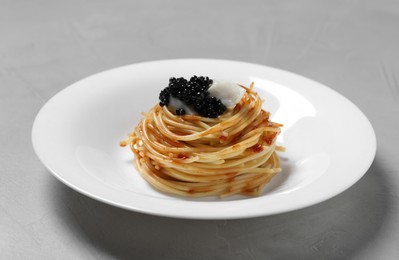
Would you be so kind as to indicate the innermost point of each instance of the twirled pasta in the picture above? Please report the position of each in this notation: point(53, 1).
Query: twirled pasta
point(195, 156)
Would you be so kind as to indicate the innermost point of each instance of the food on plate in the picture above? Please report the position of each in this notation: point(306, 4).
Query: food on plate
point(206, 138)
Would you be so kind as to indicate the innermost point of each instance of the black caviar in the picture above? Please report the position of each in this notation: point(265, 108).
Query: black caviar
point(180, 112)
point(193, 93)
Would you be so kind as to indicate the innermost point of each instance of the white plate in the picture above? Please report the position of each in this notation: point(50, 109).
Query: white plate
point(330, 143)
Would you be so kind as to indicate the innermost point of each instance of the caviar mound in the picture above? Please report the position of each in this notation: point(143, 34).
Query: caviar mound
point(194, 94)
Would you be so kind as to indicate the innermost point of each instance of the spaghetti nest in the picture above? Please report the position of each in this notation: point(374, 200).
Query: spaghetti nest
point(195, 156)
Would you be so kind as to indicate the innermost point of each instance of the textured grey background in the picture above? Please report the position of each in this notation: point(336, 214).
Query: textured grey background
point(351, 46)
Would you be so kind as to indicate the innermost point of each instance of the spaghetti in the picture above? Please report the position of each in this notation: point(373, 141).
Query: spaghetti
point(195, 156)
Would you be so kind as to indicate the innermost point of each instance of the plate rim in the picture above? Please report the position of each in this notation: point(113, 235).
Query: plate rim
point(373, 145)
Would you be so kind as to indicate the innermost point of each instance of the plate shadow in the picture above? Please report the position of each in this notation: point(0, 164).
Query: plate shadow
point(334, 229)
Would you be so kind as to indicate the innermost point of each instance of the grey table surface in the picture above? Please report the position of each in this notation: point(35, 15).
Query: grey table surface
point(350, 46)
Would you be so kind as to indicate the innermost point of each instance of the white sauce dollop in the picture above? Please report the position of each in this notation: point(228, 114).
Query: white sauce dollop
point(175, 103)
point(229, 93)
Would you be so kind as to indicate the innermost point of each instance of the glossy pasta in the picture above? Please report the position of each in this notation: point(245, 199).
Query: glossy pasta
point(195, 156)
